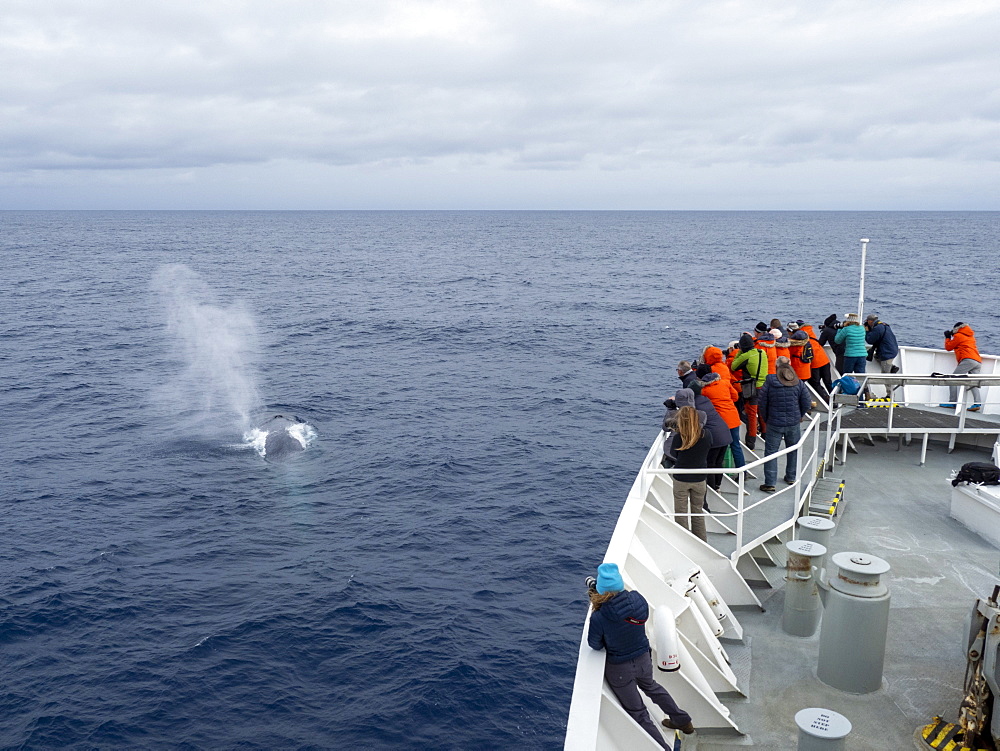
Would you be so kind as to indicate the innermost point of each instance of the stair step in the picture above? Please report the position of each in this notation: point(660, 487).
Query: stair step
point(827, 498)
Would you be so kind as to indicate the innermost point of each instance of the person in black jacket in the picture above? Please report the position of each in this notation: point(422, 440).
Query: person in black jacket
point(691, 446)
point(685, 373)
point(828, 335)
point(618, 626)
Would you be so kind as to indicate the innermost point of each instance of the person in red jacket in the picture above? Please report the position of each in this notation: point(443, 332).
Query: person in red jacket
point(723, 395)
point(764, 341)
point(796, 347)
point(820, 378)
point(961, 340)
point(781, 347)
point(713, 357)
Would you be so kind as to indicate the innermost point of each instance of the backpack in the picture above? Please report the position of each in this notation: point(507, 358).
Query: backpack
point(848, 385)
point(807, 353)
point(980, 473)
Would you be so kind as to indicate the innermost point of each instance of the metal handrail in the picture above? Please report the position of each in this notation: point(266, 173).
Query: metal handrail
point(803, 481)
point(811, 469)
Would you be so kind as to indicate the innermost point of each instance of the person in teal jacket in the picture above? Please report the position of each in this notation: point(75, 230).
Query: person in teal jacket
point(852, 335)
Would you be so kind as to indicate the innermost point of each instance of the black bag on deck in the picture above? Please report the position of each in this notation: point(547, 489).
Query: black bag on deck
point(981, 473)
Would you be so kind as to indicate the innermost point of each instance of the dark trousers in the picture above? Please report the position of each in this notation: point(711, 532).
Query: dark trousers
point(626, 678)
point(820, 381)
point(716, 456)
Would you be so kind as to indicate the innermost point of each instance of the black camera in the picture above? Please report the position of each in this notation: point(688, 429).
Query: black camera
point(591, 583)
point(949, 334)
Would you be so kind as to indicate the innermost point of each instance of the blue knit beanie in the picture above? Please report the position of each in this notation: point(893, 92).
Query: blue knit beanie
point(608, 578)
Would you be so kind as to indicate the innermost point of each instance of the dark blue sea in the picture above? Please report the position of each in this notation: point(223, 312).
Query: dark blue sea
point(482, 387)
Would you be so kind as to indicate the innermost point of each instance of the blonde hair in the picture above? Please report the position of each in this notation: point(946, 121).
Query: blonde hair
point(597, 599)
point(689, 427)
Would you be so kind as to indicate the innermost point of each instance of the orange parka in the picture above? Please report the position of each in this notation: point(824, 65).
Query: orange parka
point(765, 343)
point(781, 348)
point(713, 356)
point(722, 394)
point(820, 357)
point(802, 369)
point(963, 344)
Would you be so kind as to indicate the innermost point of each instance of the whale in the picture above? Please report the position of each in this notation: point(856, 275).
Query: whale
point(284, 437)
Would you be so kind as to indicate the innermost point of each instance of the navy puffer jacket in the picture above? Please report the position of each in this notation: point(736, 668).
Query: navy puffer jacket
point(884, 340)
point(620, 627)
point(782, 405)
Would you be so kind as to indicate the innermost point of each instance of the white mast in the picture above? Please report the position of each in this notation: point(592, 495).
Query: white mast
point(861, 293)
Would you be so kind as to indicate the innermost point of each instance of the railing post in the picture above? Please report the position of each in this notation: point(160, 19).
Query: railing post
point(739, 514)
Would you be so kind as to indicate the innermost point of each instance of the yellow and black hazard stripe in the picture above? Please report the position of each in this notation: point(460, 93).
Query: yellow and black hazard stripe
point(836, 499)
point(881, 401)
point(945, 736)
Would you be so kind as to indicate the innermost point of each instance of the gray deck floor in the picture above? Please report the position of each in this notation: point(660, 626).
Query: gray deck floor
point(899, 511)
point(910, 417)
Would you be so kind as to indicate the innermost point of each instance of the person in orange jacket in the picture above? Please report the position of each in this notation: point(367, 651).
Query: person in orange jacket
point(796, 347)
point(961, 340)
point(820, 378)
point(764, 341)
point(723, 395)
point(712, 356)
point(781, 347)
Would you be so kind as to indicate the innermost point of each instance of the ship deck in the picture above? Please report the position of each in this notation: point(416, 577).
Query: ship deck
point(898, 510)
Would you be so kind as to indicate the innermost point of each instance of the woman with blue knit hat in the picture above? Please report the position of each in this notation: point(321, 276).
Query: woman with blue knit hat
point(618, 626)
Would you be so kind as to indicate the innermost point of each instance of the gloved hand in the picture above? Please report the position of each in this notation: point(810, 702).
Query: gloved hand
point(948, 334)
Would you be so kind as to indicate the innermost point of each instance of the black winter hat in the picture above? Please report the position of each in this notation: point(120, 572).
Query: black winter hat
point(830, 320)
point(761, 326)
point(745, 343)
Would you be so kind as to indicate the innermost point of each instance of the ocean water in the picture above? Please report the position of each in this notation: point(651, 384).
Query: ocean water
point(482, 387)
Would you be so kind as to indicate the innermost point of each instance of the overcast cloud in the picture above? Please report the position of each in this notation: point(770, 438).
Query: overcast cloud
point(504, 104)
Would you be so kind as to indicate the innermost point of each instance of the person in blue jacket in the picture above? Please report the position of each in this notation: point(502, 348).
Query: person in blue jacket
point(852, 336)
point(784, 401)
point(618, 626)
point(884, 347)
point(883, 341)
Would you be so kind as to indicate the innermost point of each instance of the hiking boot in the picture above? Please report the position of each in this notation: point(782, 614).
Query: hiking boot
point(686, 729)
point(947, 406)
point(974, 408)
point(768, 488)
point(790, 482)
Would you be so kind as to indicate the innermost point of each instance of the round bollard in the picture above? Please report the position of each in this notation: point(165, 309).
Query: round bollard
point(802, 603)
point(855, 622)
point(816, 529)
point(821, 729)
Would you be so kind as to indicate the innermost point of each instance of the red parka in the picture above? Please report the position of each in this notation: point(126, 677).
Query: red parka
point(802, 369)
point(820, 357)
point(713, 356)
point(722, 394)
point(765, 343)
point(963, 344)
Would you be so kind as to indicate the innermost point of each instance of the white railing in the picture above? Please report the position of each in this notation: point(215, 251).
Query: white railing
point(809, 462)
point(815, 454)
point(912, 390)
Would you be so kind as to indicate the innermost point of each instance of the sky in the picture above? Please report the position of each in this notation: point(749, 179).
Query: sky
point(507, 104)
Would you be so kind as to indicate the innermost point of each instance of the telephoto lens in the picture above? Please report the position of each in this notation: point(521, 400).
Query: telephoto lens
point(591, 583)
